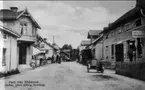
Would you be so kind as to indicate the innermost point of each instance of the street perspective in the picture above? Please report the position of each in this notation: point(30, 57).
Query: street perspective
point(72, 45)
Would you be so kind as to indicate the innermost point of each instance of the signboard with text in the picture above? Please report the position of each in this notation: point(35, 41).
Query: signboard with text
point(138, 34)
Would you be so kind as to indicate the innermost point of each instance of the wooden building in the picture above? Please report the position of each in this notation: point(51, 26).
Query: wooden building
point(127, 32)
point(23, 23)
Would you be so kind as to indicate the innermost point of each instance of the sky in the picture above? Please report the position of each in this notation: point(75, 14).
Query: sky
point(70, 21)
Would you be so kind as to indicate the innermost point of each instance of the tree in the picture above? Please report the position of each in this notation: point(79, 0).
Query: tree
point(70, 47)
point(65, 46)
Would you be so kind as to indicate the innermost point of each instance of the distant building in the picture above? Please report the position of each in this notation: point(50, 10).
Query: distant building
point(84, 44)
point(42, 46)
point(98, 47)
point(93, 35)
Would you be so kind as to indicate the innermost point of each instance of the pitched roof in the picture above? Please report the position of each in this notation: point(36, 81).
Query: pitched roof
point(93, 33)
point(5, 29)
point(6, 14)
point(128, 16)
point(85, 42)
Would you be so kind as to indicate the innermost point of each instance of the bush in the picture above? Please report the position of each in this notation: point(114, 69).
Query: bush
point(12, 72)
point(134, 69)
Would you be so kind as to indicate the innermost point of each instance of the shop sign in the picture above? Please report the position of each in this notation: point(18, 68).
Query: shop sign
point(138, 34)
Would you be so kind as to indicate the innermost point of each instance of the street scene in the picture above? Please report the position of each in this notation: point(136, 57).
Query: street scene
point(72, 45)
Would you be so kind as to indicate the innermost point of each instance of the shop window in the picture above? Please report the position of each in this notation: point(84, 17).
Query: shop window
point(4, 57)
point(138, 22)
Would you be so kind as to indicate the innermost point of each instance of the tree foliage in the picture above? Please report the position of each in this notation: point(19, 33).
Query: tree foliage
point(67, 46)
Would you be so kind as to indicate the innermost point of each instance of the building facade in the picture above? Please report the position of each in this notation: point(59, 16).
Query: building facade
point(23, 23)
point(125, 35)
point(95, 47)
point(8, 49)
point(98, 45)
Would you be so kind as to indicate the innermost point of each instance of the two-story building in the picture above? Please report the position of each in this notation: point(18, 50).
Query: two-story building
point(23, 23)
point(93, 35)
point(8, 49)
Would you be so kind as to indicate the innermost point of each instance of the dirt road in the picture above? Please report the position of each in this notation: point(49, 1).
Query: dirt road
point(69, 76)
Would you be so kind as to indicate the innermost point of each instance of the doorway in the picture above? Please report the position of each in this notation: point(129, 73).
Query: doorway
point(119, 53)
point(22, 53)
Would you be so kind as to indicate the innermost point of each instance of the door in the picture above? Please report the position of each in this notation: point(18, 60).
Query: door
point(22, 54)
point(119, 53)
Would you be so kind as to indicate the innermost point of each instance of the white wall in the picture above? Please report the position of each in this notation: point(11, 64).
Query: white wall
point(1, 50)
point(98, 51)
point(14, 60)
point(11, 52)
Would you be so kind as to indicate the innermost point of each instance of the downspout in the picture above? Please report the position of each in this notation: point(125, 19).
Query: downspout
point(10, 54)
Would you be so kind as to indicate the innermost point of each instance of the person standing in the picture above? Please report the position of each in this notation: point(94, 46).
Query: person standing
point(131, 51)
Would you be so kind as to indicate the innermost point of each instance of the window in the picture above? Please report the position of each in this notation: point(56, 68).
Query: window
point(42, 46)
point(106, 37)
point(127, 26)
point(47, 51)
point(23, 27)
point(4, 57)
point(138, 22)
point(118, 30)
point(112, 50)
point(4, 36)
point(107, 52)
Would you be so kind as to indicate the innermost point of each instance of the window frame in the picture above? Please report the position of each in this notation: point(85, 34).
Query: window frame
point(4, 57)
point(24, 28)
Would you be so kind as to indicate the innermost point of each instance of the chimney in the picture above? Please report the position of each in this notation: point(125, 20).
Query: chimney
point(15, 9)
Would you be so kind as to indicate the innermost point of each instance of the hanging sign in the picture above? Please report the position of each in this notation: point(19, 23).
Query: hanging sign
point(138, 34)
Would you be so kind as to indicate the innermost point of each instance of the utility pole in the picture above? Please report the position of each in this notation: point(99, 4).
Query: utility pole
point(53, 38)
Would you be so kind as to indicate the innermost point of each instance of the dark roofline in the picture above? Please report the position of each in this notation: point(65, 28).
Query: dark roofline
point(89, 33)
point(128, 16)
point(16, 15)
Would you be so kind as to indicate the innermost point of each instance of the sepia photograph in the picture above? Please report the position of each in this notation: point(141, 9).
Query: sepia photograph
point(72, 44)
